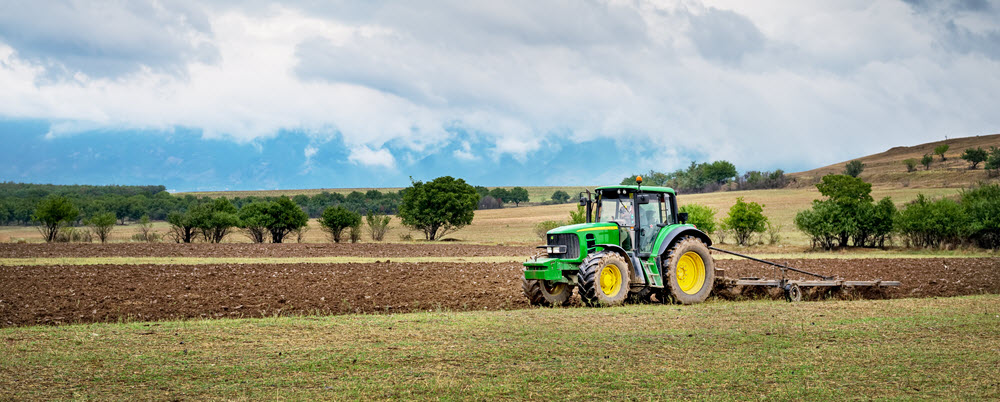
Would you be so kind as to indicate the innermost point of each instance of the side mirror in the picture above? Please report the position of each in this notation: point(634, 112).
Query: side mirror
point(683, 217)
point(583, 202)
point(643, 199)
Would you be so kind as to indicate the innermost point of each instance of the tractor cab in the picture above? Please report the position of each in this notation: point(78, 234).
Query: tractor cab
point(639, 212)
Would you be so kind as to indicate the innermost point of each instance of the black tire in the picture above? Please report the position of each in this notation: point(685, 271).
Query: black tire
point(546, 293)
point(793, 293)
point(610, 267)
point(688, 252)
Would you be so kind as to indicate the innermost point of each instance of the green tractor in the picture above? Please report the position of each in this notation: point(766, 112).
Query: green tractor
point(636, 246)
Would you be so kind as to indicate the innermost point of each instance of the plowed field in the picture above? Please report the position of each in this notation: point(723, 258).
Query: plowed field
point(249, 250)
point(65, 294)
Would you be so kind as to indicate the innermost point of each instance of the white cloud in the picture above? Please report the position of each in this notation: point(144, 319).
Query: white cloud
point(375, 158)
point(803, 83)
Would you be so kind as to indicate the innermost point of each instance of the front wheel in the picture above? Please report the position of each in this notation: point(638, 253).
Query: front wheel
point(691, 271)
point(603, 279)
point(546, 293)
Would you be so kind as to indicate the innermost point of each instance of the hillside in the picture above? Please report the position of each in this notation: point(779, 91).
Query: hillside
point(887, 169)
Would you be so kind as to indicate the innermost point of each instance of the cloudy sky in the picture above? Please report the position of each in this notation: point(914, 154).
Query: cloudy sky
point(200, 95)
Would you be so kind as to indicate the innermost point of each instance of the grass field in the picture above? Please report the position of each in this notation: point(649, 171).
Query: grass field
point(946, 348)
point(515, 226)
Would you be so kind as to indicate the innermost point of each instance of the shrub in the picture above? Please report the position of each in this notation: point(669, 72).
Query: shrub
point(101, 224)
point(254, 220)
point(355, 231)
point(151, 237)
point(926, 223)
point(146, 233)
point(982, 207)
point(911, 164)
point(745, 219)
point(773, 233)
point(378, 225)
point(489, 202)
point(541, 228)
point(336, 219)
point(847, 214)
point(993, 161)
point(701, 216)
point(437, 207)
point(580, 216)
point(300, 233)
point(284, 217)
point(182, 230)
point(822, 224)
point(53, 213)
point(215, 219)
point(560, 197)
point(854, 168)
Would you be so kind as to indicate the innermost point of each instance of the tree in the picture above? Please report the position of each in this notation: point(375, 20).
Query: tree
point(560, 197)
point(854, 168)
point(993, 161)
point(845, 188)
point(336, 219)
point(378, 225)
point(254, 220)
point(285, 217)
point(53, 213)
point(501, 194)
point(720, 172)
point(911, 164)
point(974, 156)
point(437, 207)
point(181, 227)
point(215, 219)
point(102, 224)
point(926, 161)
point(700, 216)
point(518, 195)
point(926, 223)
point(982, 206)
point(940, 150)
point(745, 219)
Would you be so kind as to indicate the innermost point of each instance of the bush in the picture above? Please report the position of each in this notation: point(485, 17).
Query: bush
point(911, 164)
point(541, 228)
point(745, 219)
point(378, 225)
point(355, 231)
point(560, 197)
point(940, 150)
point(215, 219)
point(182, 230)
point(488, 202)
point(993, 161)
point(847, 214)
point(300, 233)
point(101, 224)
point(336, 219)
point(773, 233)
point(926, 161)
point(854, 168)
point(701, 216)
point(254, 220)
point(284, 218)
point(53, 213)
point(925, 223)
point(72, 234)
point(822, 224)
point(982, 207)
point(580, 216)
point(146, 232)
point(437, 207)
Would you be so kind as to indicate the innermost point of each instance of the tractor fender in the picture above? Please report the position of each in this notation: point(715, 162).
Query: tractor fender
point(674, 235)
point(636, 273)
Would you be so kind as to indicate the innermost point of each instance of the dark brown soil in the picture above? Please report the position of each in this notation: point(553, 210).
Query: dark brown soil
point(249, 250)
point(32, 295)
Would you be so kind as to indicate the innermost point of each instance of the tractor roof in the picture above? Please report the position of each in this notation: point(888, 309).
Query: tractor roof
point(651, 189)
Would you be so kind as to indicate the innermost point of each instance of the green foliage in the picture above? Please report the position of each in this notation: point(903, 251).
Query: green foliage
point(982, 207)
point(926, 223)
point(755, 180)
point(254, 220)
point(745, 219)
point(182, 228)
point(336, 219)
point(355, 231)
point(993, 160)
point(541, 228)
point(773, 233)
point(285, 217)
point(101, 224)
point(701, 216)
point(911, 164)
point(378, 225)
point(926, 161)
point(975, 156)
point(697, 177)
point(501, 194)
point(844, 188)
point(580, 216)
point(940, 150)
point(854, 168)
point(848, 213)
point(518, 195)
point(824, 223)
point(146, 233)
point(560, 197)
point(437, 207)
point(53, 213)
point(215, 219)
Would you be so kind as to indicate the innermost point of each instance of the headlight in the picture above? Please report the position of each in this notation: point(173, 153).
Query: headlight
point(555, 249)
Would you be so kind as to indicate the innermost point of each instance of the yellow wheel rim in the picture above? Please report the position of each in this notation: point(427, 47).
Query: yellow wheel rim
point(611, 279)
point(691, 273)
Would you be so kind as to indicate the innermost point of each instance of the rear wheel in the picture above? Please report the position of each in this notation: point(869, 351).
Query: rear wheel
point(546, 293)
point(691, 271)
point(603, 279)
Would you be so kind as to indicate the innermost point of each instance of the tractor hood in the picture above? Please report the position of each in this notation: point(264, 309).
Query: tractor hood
point(585, 227)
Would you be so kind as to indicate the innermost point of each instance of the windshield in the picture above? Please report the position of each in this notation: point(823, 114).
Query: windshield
point(616, 210)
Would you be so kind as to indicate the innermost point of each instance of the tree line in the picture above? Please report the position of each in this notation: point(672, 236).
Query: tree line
point(711, 176)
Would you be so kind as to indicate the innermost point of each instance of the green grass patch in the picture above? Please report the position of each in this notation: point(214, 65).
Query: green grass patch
point(894, 349)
